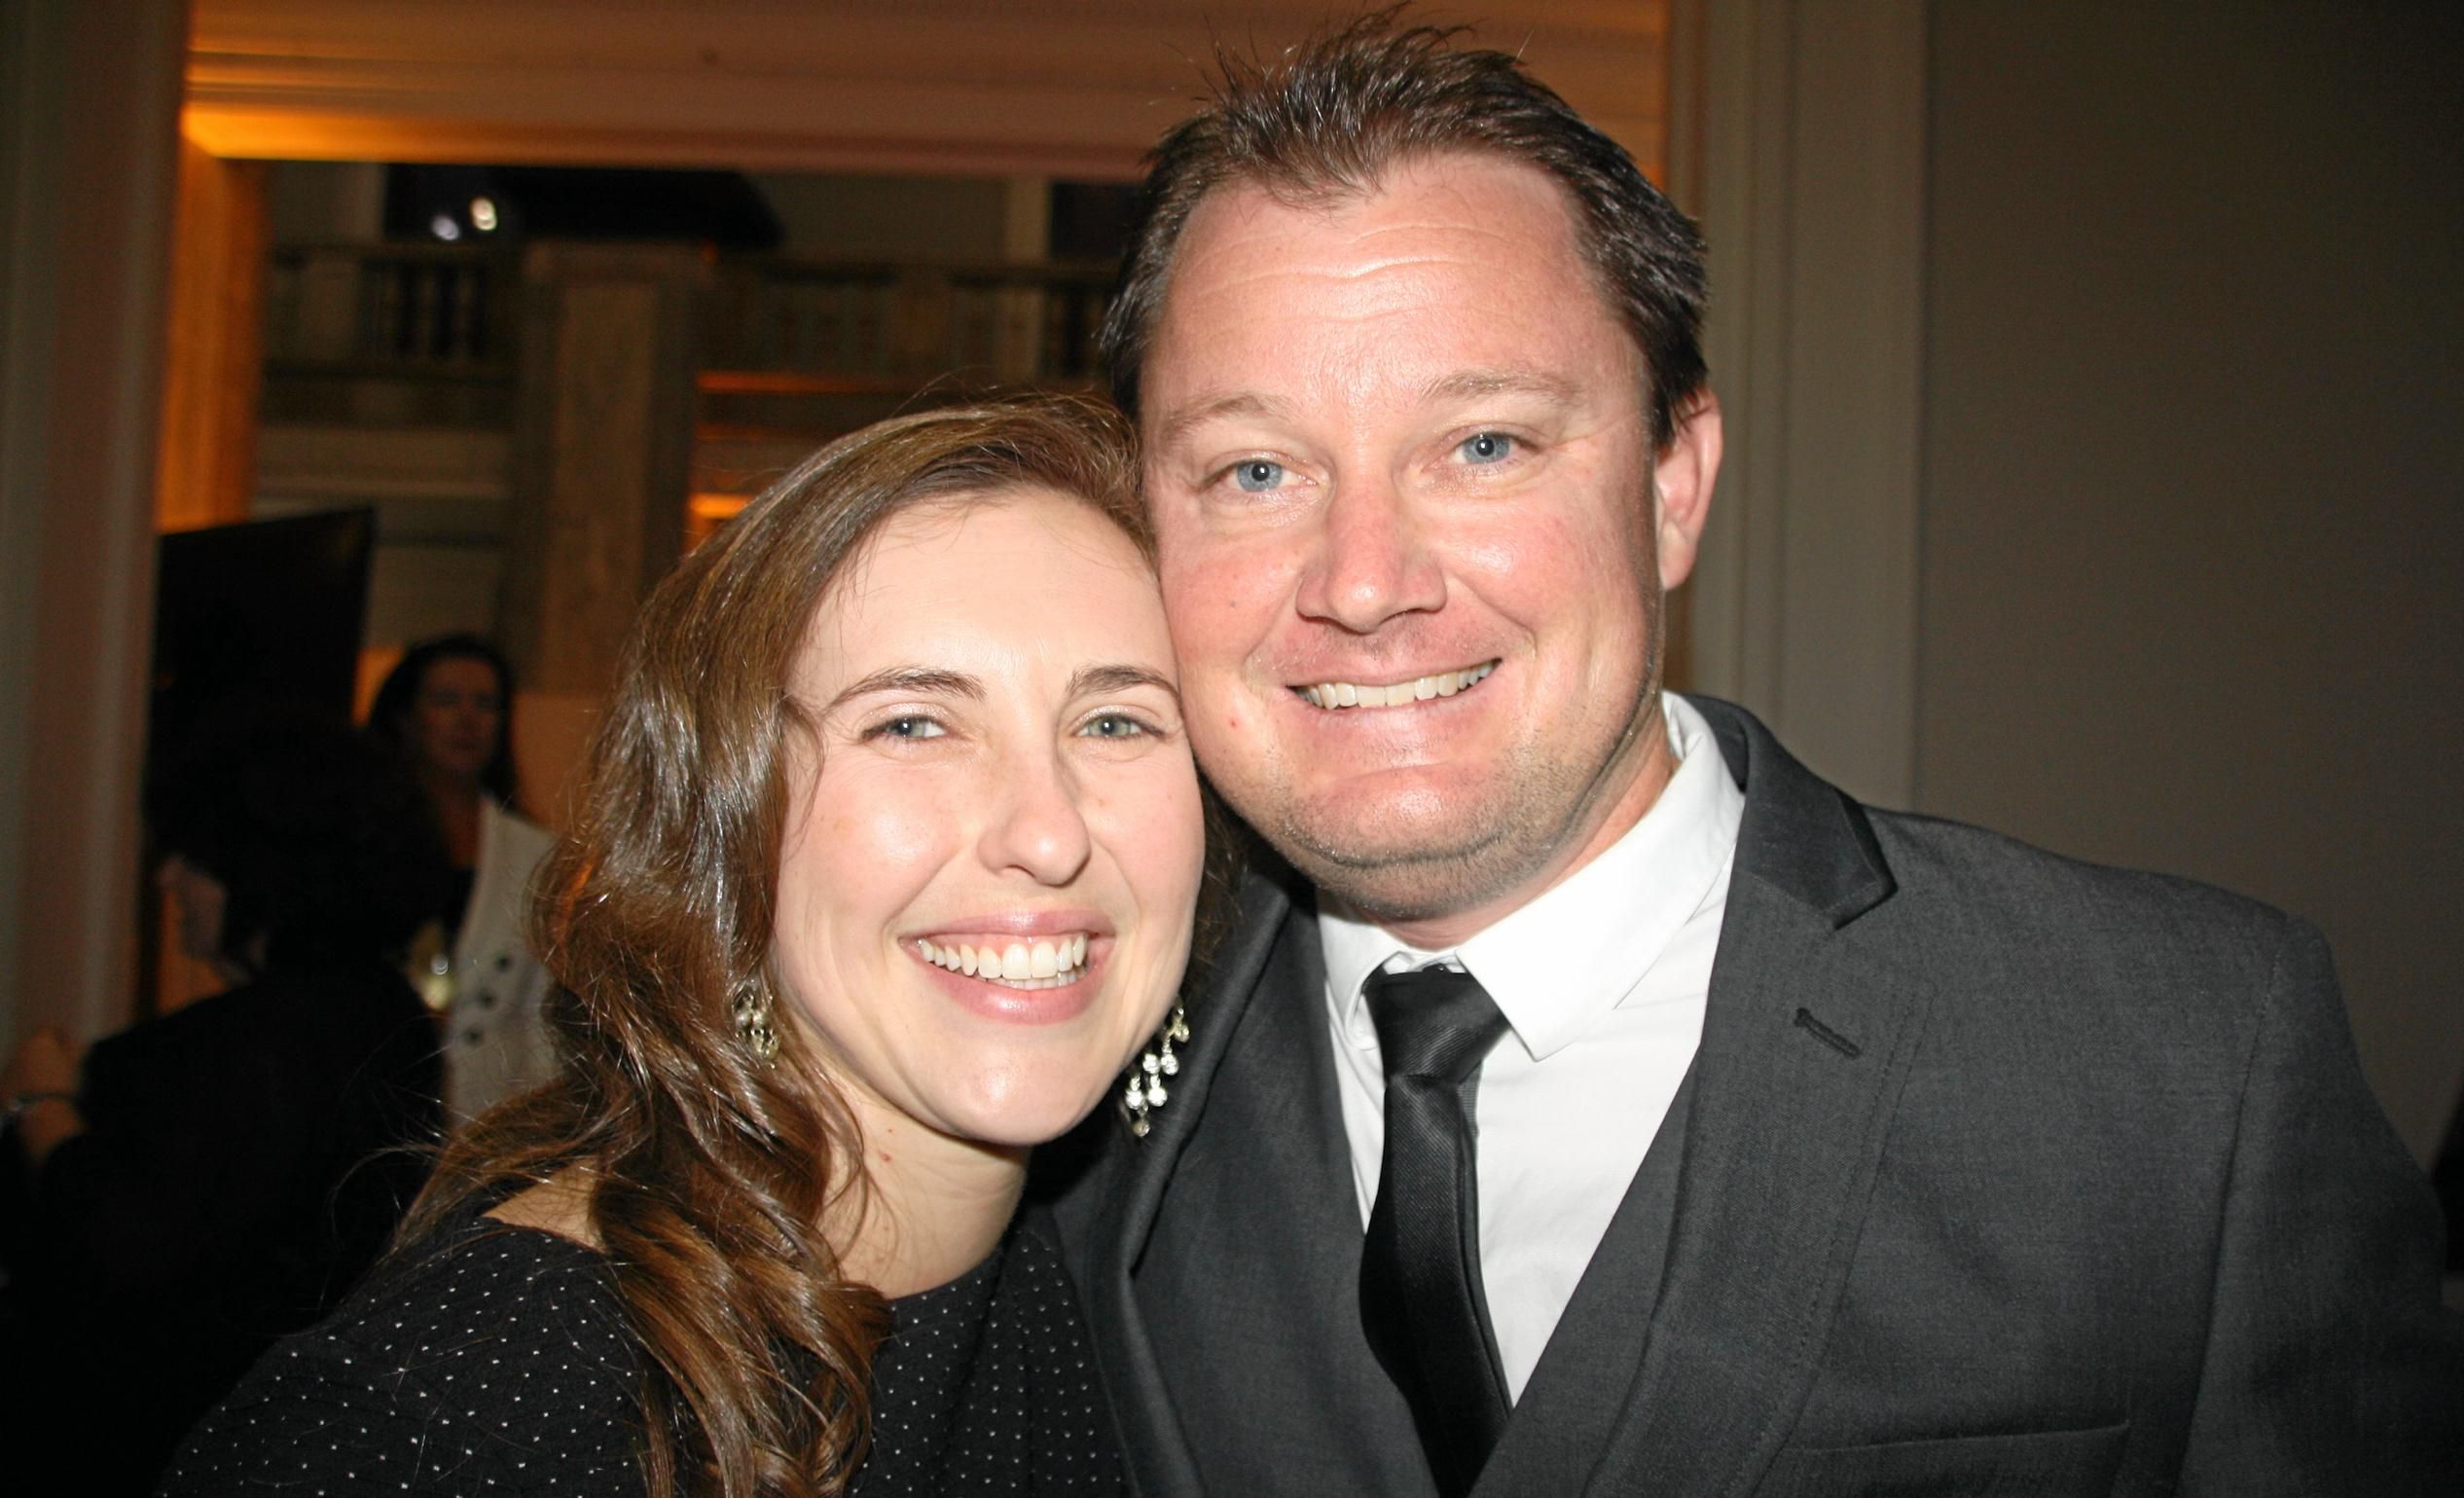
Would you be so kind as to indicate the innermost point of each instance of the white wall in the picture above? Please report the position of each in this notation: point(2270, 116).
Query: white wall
point(2171, 578)
point(1796, 135)
point(2193, 523)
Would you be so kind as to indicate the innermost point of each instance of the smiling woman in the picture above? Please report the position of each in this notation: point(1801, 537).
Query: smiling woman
point(885, 868)
point(993, 767)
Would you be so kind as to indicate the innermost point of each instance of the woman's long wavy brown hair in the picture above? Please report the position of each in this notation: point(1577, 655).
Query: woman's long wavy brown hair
point(709, 1171)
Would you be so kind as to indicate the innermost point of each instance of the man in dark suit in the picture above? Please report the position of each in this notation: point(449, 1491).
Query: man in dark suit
point(1590, 1099)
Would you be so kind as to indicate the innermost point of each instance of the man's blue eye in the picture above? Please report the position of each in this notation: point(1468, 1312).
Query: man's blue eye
point(1258, 475)
point(1487, 446)
point(911, 728)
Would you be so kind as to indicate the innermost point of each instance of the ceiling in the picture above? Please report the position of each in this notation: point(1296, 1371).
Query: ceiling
point(1055, 87)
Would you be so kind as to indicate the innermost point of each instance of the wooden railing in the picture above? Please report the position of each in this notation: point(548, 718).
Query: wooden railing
point(777, 325)
point(770, 324)
point(393, 310)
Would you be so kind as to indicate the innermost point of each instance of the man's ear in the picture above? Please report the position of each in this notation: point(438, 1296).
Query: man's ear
point(1681, 480)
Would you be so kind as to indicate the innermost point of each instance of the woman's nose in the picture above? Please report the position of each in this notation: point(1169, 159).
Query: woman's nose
point(1040, 829)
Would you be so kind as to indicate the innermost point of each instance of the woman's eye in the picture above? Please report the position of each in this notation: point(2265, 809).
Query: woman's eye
point(1487, 448)
point(910, 726)
point(1113, 725)
point(1257, 476)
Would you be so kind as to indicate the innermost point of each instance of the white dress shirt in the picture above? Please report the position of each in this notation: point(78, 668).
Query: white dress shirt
point(1603, 980)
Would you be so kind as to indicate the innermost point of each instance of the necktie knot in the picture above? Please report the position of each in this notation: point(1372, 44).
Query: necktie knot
point(1434, 1023)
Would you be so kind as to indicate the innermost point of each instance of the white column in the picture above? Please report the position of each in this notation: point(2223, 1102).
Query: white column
point(89, 98)
point(1797, 136)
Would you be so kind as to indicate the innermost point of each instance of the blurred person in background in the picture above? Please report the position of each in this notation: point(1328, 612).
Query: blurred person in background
point(219, 1174)
point(447, 709)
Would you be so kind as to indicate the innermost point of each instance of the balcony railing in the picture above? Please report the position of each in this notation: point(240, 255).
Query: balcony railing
point(776, 326)
point(769, 325)
point(392, 310)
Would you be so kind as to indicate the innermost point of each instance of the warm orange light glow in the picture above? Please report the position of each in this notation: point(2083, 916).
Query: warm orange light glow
point(211, 348)
point(376, 662)
point(707, 512)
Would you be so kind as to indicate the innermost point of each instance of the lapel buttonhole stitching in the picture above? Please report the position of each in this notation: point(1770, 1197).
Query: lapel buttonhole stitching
point(1847, 1048)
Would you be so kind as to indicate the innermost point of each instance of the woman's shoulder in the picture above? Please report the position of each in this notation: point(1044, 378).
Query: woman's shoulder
point(487, 1350)
point(487, 1278)
point(991, 1385)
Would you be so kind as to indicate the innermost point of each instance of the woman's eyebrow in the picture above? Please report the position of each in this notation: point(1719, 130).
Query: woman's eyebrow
point(1094, 680)
point(920, 681)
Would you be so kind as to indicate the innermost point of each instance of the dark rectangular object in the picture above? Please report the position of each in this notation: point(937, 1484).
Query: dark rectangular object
point(268, 610)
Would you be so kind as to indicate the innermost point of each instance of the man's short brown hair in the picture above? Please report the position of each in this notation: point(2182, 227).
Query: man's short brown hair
point(1331, 116)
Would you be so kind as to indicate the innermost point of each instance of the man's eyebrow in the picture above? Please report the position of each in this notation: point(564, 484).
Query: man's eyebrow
point(1180, 424)
point(920, 681)
point(1474, 384)
point(1095, 681)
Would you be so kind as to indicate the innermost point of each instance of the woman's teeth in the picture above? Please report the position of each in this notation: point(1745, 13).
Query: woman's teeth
point(1040, 963)
point(1351, 694)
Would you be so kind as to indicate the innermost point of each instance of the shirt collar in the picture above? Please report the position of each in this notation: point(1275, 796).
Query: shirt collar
point(1585, 943)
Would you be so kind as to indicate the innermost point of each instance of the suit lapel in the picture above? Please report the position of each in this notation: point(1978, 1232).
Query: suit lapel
point(1114, 1212)
point(1806, 1042)
point(1216, 1011)
point(1249, 1276)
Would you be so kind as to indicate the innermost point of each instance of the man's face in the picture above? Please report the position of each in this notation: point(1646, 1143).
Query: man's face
point(1401, 441)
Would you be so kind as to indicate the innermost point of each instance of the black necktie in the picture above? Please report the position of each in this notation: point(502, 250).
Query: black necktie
point(1420, 1299)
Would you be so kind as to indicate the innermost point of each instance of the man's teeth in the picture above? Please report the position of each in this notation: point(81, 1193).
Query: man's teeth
point(1040, 964)
point(1351, 694)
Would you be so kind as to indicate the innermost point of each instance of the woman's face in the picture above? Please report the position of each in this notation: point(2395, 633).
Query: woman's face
point(456, 717)
point(994, 840)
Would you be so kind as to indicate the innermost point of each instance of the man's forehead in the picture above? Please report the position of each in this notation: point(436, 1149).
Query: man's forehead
point(1250, 253)
point(1468, 180)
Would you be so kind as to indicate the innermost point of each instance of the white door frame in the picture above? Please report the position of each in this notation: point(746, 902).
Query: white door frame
point(1797, 135)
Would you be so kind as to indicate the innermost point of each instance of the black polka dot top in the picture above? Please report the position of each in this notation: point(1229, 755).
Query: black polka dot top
point(501, 1365)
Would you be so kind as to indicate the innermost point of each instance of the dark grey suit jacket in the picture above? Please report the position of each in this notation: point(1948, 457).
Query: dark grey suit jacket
point(1995, 1173)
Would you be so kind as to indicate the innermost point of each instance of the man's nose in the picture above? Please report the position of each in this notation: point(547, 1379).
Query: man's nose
point(1374, 562)
point(1040, 829)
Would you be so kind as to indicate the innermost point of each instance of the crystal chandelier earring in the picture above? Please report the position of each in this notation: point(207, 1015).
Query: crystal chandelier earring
point(750, 1005)
point(1147, 1075)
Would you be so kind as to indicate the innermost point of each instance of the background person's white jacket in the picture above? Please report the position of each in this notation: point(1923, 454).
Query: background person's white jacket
point(495, 1044)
